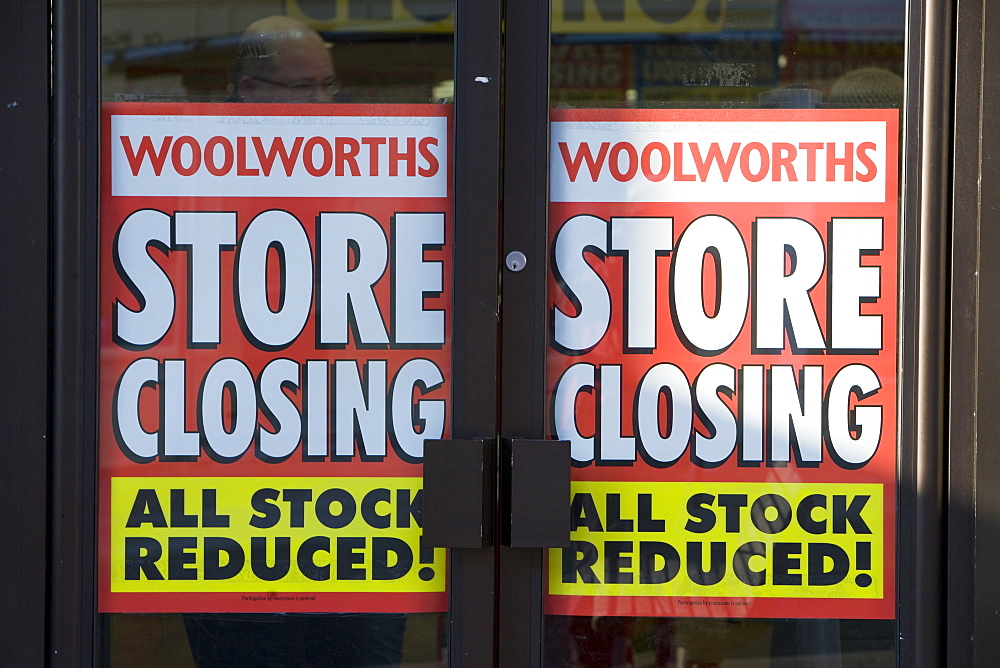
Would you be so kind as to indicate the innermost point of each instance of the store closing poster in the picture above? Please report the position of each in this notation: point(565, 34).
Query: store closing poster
point(722, 358)
point(275, 310)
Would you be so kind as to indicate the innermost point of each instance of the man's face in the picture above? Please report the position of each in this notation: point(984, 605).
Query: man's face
point(302, 72)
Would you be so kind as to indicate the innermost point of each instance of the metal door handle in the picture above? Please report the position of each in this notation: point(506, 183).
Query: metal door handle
point(458, 494)
point(536, 495)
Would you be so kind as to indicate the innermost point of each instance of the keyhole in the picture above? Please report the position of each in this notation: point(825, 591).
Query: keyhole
point(516, 260)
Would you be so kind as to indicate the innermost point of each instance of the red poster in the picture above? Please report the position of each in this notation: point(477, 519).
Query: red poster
point(275, 349)
point(723, 361)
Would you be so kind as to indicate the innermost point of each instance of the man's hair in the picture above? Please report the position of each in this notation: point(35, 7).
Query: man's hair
point(263, 39)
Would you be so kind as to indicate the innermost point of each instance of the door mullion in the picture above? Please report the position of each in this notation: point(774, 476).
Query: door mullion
point(523, 320)
point(73, 332)
point(477, 191)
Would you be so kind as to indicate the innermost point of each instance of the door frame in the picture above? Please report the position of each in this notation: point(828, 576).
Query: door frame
point(49, 416)
point(973, 456)
point(926, 193)
point(925, 300)
point(24, 372)
point(524, 316)
point(473, 581)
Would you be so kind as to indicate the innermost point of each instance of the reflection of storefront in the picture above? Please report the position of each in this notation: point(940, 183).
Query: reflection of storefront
point(623, 51)
point(826, 41)
point(597, 71)
point(908, 588)
point(732, 69)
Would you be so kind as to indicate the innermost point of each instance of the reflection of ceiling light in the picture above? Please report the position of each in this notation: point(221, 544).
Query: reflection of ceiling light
point(782, 61)
point(444, 90)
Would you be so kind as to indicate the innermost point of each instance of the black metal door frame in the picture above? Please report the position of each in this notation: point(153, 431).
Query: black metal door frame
point(49, 149)
point(973, 457)
point(925, 169)
point(24, 373)
point(524, 313)
point(478, 85)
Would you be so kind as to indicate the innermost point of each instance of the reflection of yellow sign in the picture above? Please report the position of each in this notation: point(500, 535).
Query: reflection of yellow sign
point(722, 539)
point(374, 15)
point(637, 16)
point(568, 16)
point(266, 535)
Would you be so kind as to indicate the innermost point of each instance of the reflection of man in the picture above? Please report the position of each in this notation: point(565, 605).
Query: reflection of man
point(284, 60)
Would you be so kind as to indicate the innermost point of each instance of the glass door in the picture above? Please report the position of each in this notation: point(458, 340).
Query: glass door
point(711, 242)
point(294, 250)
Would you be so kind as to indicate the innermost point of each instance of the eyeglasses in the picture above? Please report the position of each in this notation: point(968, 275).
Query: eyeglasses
point(303, 90)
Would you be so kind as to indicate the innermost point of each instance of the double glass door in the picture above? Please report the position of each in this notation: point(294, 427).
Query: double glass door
point(407, 356)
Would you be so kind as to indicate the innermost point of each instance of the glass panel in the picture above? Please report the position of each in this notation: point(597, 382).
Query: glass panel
point(649, 53)
point(275, 330)
point(189, 51)
point(734, 443)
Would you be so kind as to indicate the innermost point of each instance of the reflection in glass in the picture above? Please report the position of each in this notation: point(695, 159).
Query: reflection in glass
point(724, 53)
point(280, 59)
point(189, 51)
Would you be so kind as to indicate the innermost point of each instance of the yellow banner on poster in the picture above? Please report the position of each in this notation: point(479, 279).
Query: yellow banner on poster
point(568, 16)
point(270, 535)
point(722, 539)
